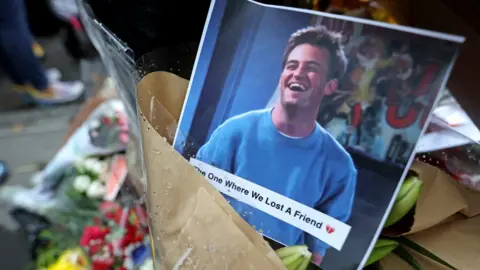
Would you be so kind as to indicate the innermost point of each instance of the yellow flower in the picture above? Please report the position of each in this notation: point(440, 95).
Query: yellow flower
point(72, 259)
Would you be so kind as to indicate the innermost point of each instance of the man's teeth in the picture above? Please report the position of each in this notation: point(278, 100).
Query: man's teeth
point(297, 87)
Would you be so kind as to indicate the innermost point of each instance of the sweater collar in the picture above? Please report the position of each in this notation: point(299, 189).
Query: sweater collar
point(314, 138)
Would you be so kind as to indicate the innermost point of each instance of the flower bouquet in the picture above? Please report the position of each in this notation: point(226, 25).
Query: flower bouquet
point(87, 187)
point(115, 237)
point(119, 240)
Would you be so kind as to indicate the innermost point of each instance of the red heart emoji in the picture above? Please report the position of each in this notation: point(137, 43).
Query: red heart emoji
point(329, 229)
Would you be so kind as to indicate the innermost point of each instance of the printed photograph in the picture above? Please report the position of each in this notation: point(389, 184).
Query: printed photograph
point(315, 109)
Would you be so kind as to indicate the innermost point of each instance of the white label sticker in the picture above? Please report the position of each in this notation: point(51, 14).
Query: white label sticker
point(329, 230)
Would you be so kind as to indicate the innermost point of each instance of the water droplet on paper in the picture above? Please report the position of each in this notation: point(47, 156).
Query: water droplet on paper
point(212, 248)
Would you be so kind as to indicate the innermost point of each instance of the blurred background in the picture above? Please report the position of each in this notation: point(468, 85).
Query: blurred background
point(31, 133)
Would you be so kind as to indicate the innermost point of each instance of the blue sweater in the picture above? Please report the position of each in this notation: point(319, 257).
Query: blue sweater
point(315, 171)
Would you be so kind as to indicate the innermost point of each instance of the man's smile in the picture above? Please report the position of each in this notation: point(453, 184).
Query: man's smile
point(298, 87)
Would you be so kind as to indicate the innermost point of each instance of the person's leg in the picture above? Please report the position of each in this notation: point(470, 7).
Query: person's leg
point(16, 46)
point(24, 68)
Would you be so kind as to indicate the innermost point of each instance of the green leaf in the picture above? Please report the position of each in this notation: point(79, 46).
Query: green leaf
point(382, 248)
point(409, 243)
point(403, 253)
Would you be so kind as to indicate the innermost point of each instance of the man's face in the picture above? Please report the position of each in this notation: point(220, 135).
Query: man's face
point(304, 76)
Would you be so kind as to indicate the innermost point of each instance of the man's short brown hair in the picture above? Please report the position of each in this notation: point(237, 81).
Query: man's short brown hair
point(320, 36)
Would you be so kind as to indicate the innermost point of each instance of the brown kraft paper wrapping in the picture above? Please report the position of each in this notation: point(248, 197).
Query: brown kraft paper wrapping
point(439, 199)
point(193, 226)
point(456, 242)
point(472, 197)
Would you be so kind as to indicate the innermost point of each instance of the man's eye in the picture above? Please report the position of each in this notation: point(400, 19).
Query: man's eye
point(291, 66)
point(314, 68)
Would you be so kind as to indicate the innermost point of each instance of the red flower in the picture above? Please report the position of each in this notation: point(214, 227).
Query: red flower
point(129, 237)
point(139, 237)
point(106, 120)
point(102, 264)
point(95, 248)
point(112, 211)
point(93, 233)
point(121, 268)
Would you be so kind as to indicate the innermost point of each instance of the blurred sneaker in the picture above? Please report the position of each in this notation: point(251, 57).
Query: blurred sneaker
point(59, 92)
point(53, 75)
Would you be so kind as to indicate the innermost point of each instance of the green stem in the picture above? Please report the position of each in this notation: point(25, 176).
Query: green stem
point(409, 243)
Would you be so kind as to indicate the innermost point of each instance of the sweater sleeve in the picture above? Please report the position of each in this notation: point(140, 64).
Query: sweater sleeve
point(337, 203)
point(219, 151)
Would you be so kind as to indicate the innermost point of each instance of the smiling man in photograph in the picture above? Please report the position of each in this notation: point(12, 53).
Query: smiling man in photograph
point(284, 149)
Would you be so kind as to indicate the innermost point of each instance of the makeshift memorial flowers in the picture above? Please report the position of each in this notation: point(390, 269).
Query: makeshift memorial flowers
point(118, 240)
point(111, 128)
point(88, 187)
point(90, 167)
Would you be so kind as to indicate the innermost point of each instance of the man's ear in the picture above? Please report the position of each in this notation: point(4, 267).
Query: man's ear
point(331, 87)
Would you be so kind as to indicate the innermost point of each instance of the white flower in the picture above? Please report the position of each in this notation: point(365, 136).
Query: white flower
point(96, 190)
point(79, 165)
point(95, 124)
point(128, 263)
point(147, 265)
point(93, 165)
point(82, 183)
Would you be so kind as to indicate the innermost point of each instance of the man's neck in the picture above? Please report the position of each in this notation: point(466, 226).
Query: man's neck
point(293, 122)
